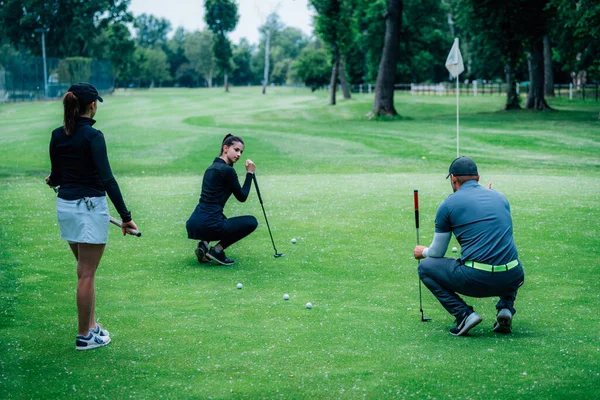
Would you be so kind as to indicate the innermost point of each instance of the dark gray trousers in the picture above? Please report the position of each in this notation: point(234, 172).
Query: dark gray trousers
point(447, 277)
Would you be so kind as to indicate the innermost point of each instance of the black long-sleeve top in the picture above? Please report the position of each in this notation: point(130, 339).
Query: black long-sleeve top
point(220, 181)
point(80, 165)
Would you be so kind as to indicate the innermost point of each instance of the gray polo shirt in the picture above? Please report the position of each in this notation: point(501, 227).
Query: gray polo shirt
point(481, 222)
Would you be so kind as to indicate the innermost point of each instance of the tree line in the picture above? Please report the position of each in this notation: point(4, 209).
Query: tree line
point(354, 42)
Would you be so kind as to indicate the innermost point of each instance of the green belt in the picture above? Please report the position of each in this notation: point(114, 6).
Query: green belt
point(492, 268)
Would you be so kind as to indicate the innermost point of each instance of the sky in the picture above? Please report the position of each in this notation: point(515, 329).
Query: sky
point(190, 15)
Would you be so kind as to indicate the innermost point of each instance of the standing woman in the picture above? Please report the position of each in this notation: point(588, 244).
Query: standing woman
point(80, 167)
point(207, 223)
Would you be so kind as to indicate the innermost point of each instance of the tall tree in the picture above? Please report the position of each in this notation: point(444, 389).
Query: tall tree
point(270, 31)
point(496, 27)
point(153, 65)
point(198, 50)
point(69, 25)
point(312, 67)
point(242, 56)
point(577, 37)
point(333, 23)
point(384, 89)
point(176, 53)
point(121, 48)
point(534, 39)
point(221, 16)
point(151, 31)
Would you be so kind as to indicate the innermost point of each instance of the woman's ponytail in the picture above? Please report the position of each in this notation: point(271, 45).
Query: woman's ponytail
point(72, 108)
point(229, 139)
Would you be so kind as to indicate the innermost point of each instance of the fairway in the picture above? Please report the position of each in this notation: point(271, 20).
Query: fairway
point(342, 186)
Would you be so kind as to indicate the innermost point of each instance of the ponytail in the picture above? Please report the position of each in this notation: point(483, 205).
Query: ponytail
point(229, 139)
point(72, 110)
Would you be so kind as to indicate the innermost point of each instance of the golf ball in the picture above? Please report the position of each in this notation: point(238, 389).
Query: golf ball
point(286, 296)
point(239, 285)
point(308, 305)
point(293, 241)
point(454, 249)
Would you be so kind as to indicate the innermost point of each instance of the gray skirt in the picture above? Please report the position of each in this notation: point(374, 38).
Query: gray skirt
point(83, 221)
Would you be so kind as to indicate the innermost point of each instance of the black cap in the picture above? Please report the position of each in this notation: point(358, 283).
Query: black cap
point(462, 166)
point(85, 92)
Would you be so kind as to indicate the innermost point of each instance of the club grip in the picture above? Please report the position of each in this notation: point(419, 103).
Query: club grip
point(118, 223)
point(416, 197)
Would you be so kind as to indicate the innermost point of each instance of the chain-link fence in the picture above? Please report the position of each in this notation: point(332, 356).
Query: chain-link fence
point(22, 77)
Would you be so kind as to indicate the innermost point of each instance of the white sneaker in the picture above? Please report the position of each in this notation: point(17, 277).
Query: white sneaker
point(98, 330)
point(90, 341)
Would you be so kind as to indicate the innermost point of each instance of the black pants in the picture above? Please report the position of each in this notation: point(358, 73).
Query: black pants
point(211, 227)
point(446, 277)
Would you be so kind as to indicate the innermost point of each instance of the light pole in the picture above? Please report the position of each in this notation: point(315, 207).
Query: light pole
point(42, 30)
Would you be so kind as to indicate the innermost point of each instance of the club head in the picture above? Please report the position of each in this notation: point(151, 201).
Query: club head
point(423, 317)
point(277, 255)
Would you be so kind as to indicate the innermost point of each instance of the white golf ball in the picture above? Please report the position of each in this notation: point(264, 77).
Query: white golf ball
point(239, 285)
point(293, 241)
point(286, 296)
point(308, 305)
point(454, 249)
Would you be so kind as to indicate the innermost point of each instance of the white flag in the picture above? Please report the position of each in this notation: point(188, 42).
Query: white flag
point(454, 62)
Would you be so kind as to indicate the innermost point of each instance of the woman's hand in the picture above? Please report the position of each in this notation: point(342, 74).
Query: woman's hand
point(48, 182)
point(130, 225)
point(250, 166)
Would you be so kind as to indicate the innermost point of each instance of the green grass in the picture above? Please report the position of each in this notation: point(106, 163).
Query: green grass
point(342, 186)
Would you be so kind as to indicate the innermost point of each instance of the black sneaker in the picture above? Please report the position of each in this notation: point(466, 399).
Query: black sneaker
point(201, 251)
point(463, 327)
point(503, 321)
point(220, 257)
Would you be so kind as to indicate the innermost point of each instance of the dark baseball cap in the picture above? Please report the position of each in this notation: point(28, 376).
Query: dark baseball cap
point(85, 92)
point(462, 166)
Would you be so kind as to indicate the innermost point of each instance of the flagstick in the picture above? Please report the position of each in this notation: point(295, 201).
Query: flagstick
point(457, 134)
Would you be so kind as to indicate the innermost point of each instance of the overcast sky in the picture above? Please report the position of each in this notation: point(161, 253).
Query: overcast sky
point(190, 15)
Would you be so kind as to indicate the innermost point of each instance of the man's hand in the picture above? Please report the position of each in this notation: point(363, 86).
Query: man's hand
point(419, 252)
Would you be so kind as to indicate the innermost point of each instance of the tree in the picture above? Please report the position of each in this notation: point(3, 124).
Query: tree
point(69, 25)
point(333, 24)
point(151, 31)
point(425, 41)
point(497, 29)
point(285, 43)
point(153, 65)
point(221, 17)
point(384, 89)
point(242, 55)
point(121, 49)
point(534, 40)
point(176, 53)
point(269, 30)
point(280, 71)
point(198, 50)
point(313, 67)
point(577, 37)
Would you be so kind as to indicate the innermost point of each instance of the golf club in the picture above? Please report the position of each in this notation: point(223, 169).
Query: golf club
point(118, 223)
point(276, 255)
point(423, 317)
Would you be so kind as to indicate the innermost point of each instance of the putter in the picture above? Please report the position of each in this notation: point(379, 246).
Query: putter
point(118, 223)
point(276, 255)
point(423, 317)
